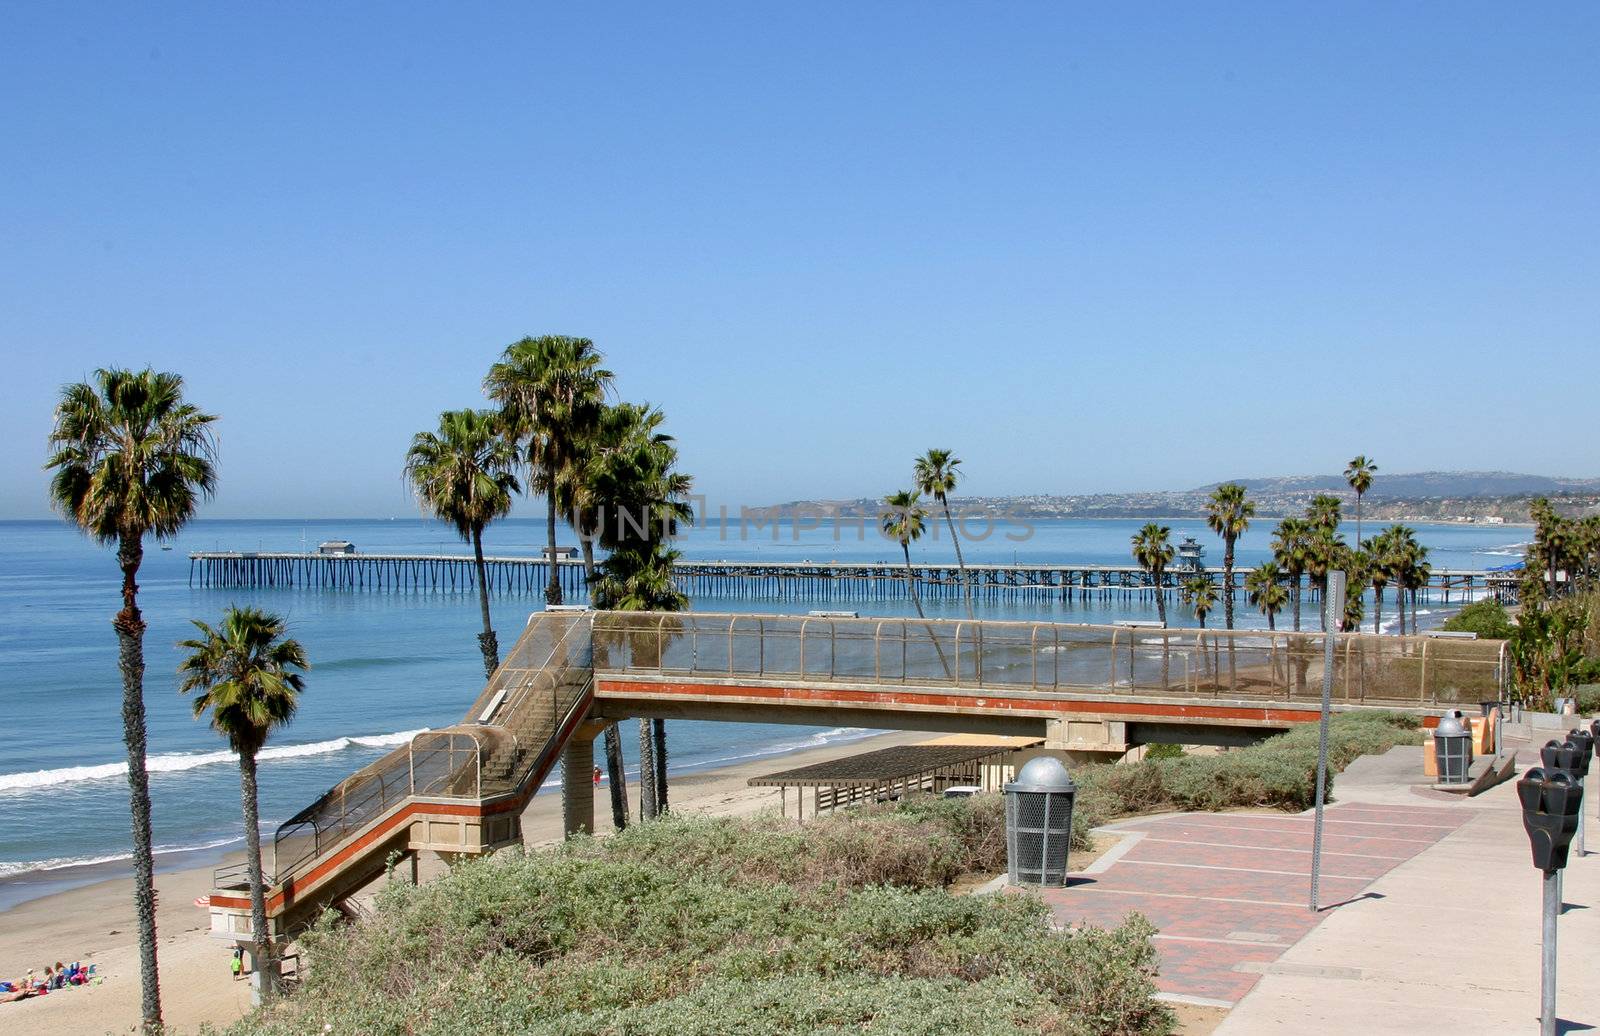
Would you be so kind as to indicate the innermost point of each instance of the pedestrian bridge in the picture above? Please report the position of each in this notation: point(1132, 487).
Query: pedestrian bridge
point(1095, 690)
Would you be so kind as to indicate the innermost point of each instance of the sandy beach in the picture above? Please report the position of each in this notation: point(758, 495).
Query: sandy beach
point(95, 923)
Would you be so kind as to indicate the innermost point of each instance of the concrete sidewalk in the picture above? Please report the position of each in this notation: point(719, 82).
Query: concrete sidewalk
point(1446, 941)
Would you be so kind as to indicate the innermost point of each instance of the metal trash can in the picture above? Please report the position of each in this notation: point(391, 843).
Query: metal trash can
point(1452, 749)
point(1039, 822)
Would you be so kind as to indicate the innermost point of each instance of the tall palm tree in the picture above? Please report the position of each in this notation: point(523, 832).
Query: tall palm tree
point(1400, 559)
point(550, 390)
point(1359, 474)
point(640, 500)
point(1323, 515)
point(1377, 550)
point(1228, 514)
point(1152, 549)
point(130, 457)
point(904, 520)
point(245, 673)
point(1264, 585)
point(462, 474)
point(1291, 549)
point(935, 474)
point(1200, 593)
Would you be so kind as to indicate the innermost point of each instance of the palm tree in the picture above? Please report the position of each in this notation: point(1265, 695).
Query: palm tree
point(1152, 549)
point(1400, 559)
point(1200, 593)
point(1266, 591)
point(130, 457)
point(1359, 474)
point(639, 501)
point(550, 390)
point(1264, 585)
point(1291, 548)
point(1228, 514)
point(244, 671)
point(1377, 551)
point(935, 474)
point(462, 474)
point(1324, 543)
point(904, 520)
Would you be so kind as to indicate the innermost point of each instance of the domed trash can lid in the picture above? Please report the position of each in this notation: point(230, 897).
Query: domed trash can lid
point(1450, 726)
point(1043, 774)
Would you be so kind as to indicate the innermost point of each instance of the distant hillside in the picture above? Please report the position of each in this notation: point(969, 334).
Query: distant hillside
point(1417, 496)
point(1425, 484)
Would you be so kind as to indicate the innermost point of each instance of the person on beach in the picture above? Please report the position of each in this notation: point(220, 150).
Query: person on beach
point(597, 776)
point(238, 963)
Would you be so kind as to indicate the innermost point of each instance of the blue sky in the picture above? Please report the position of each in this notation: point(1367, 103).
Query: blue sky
point(1091, 249)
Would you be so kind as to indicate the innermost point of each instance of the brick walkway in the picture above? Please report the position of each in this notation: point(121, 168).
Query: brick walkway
point(1229, 891)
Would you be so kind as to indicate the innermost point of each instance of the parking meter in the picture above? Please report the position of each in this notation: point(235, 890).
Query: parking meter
point(1559, 755)
point(1552, 802)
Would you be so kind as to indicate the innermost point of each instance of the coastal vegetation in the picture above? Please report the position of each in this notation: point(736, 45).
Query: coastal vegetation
point(696, 926)
point(463, 474)
point(130, 457)
point(849, 922)
point(246, 675)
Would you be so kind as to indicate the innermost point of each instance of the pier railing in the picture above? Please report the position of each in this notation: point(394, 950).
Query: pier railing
point(1050, 657)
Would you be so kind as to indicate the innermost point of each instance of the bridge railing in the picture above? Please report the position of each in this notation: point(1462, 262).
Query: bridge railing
point(1279, 665)
point(444, 763)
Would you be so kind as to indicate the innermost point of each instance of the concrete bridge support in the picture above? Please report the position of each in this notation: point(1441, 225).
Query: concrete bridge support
point(1087, 740)
point(577, 781)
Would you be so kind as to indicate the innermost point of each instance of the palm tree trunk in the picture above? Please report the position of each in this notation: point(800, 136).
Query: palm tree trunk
point(1377, 609)
point(487, 643)
point(262, 959)
point(1159, 576)
point(552, 592)
point(1227, 610)
point(647, 772)
point(129, 625)
point(1294, 599)
point(916, 599)
point(1400, 606)
point(660, 737)
point(961, 562)
point(617, 777)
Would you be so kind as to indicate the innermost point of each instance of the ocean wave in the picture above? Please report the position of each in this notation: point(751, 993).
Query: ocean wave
point(12, 868)
point(177, 762)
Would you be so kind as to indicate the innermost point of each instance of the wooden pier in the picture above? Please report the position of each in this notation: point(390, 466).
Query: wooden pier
point(784, 581)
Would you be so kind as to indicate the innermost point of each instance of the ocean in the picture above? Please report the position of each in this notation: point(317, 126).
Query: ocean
point(387, 664)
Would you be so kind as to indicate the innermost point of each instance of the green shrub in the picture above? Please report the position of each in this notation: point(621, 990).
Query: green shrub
point(1279, 772)
point(1159, 751)
point(697, 925)
point(1487, 618)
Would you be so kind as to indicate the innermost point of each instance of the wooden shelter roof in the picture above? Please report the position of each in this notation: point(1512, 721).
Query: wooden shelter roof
point(883, 766)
